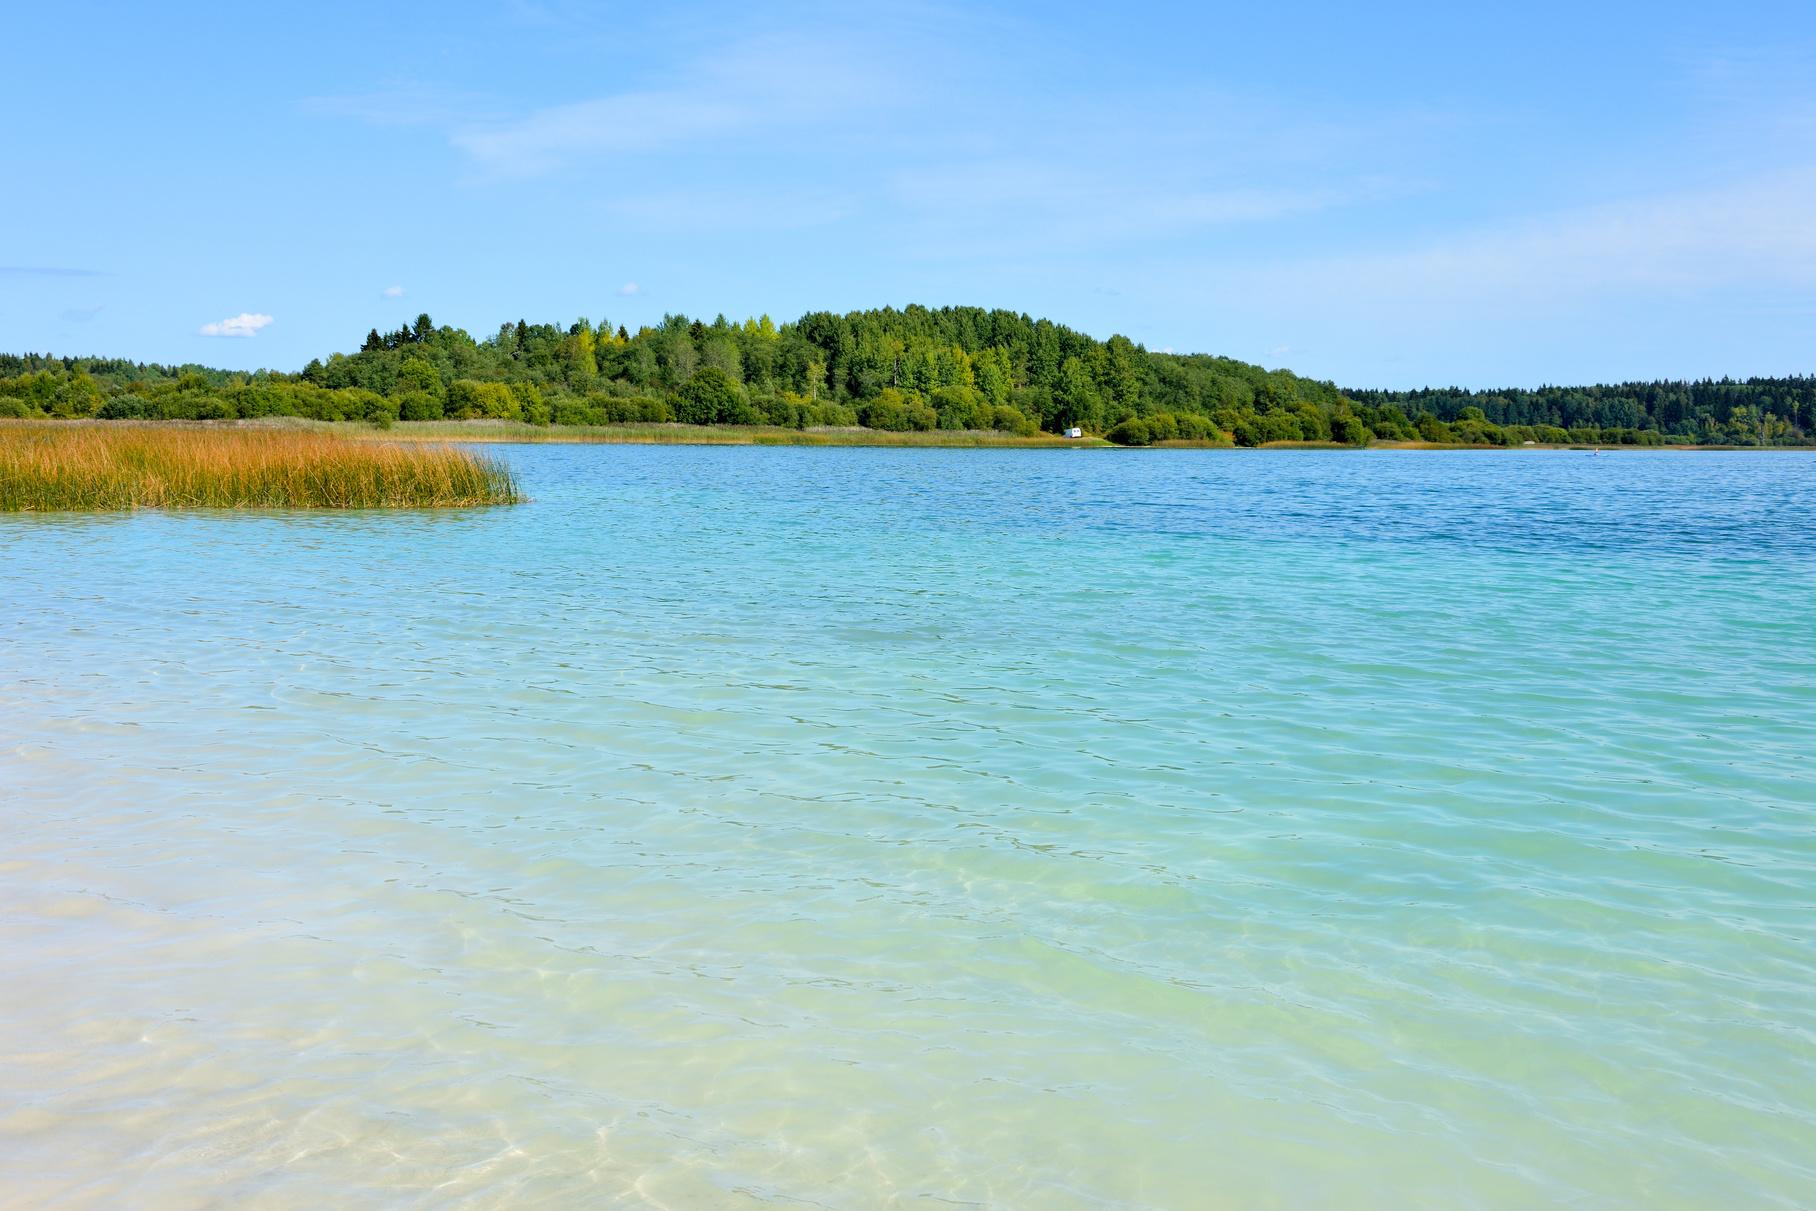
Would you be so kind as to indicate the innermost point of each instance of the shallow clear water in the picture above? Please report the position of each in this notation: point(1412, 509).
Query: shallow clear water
point(884, 828)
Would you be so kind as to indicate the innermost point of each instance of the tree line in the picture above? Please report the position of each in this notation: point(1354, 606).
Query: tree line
point(1749, 412)
point(913, 368)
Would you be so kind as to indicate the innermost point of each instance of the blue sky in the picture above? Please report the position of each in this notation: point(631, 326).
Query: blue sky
point(1389, 195)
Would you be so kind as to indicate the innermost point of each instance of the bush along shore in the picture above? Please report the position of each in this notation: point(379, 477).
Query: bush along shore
point(952, 370)
point(46, 467)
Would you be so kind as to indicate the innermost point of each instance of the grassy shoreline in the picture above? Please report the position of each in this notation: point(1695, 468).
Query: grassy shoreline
point(56, 467)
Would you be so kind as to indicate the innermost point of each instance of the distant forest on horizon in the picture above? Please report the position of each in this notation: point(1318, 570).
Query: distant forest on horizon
point(913, 368)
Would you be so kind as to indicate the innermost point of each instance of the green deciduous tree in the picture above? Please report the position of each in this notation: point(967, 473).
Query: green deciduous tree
point(711, 397)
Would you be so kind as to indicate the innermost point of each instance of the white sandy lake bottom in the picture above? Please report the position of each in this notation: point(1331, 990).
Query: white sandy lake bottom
point(853, 828)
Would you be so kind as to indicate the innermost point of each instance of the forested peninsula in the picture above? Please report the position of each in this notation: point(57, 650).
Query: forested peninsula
point(914, 369)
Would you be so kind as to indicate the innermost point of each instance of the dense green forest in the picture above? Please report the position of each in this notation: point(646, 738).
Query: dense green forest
point(916, 368)
point(1753, 412)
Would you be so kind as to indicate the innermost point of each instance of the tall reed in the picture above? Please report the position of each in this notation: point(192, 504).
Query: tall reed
point(70, 465)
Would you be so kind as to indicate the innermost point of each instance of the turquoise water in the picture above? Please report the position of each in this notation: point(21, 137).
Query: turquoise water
point(739, 828)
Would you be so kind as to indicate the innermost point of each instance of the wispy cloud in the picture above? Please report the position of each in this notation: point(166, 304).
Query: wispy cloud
point(392, 292)
point(1020, 205)
point(766, 82)
point(756, 207)
point(404, 106)
point(47, 271)
point(568, 16)
point(628, 122)
point(1758, 233)
point(81, 315)
point(246, 323)
point(629, 289)
point(897, 101)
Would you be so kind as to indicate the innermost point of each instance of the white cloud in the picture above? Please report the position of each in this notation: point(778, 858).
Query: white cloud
point(246, 323)
point(630, 288)
point(393, 292)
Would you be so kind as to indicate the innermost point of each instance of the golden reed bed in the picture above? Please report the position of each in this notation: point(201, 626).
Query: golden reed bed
point(71, 465)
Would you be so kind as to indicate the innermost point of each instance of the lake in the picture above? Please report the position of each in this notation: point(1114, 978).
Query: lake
point(742, 827)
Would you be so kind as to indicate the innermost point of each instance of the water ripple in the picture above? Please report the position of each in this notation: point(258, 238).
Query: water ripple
point(774, 827)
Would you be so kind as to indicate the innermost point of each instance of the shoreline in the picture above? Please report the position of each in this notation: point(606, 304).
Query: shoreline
point(767, 435)
point(492, 432)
